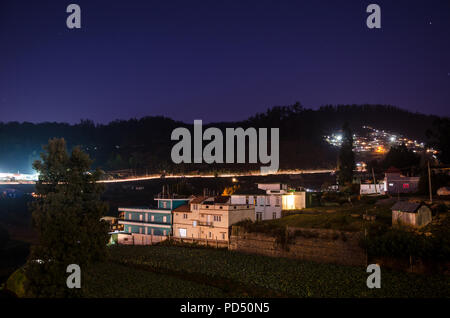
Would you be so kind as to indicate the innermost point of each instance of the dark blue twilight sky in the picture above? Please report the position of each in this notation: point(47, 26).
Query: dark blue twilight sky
point(218, 60)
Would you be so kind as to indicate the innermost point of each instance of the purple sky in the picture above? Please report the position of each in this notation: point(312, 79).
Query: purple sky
point(218, 60)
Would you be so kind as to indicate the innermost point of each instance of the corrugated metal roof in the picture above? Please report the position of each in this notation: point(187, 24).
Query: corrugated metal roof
point(406, 206)
point(183, 208)
point(199, 199)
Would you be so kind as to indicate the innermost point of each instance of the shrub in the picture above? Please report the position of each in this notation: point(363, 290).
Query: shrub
point(399, 242)
point(16, 283)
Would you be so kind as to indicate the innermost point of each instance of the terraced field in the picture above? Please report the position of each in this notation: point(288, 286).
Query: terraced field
point(115, 280)
point(174, 271)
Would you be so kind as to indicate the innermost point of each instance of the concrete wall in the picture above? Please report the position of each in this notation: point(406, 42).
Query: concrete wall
point(139, 239)
point(372, 188)
point(272, 186)
point(318, 245)
point(241, 214)
point(294, 201)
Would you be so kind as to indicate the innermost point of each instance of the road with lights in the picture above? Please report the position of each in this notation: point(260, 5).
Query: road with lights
point(175, 176)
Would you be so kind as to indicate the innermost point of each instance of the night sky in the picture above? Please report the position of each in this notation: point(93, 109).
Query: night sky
point(218, 60)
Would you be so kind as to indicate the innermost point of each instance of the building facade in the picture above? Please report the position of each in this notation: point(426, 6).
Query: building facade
point(209, 218)
point(266, 206)
point(144, 225)
point(372, 188)
point(267, 200)
point(395, 182)
point(270, 199)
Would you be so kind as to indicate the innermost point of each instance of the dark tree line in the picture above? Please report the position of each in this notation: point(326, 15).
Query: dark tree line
point(439, 137)
point(144, 145)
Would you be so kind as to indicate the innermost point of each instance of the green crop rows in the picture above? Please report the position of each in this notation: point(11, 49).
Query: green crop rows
point(285, 277)
point(115, 280)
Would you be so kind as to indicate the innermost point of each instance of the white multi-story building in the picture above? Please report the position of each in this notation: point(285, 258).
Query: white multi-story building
point(267, 199)
point(371, 188)
point(209, 218)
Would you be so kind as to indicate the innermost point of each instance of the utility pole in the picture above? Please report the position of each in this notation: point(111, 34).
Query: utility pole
point(429, 183)
point(374, 181)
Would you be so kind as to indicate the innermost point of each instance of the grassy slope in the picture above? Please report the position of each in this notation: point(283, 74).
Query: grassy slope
point(345, 217)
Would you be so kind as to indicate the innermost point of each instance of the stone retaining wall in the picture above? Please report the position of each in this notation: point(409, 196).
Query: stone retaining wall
point(318, 245)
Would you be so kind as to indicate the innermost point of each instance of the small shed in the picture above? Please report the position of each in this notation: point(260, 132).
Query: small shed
point(410, 214)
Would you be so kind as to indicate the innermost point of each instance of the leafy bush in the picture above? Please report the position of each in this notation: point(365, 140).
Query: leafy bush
point(16, 283)
point(398, 242)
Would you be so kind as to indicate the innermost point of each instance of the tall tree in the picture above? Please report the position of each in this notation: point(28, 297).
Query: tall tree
point(346, 159)
point(402, 158)
point(67, 217)
point(440, 138)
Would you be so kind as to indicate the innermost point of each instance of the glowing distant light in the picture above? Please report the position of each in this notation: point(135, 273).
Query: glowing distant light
point(339, 137)
point(392, 138)
point(289, 202)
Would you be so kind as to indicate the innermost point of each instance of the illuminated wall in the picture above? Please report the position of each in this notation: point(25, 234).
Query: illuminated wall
point(294, 201)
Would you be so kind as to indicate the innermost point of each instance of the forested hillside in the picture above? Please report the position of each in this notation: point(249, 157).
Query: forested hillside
point(144, 144)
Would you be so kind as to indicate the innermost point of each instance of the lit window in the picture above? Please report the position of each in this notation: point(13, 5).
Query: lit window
point(164, 219)
point(405, 185)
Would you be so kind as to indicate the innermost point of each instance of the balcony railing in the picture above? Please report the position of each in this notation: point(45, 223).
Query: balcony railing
point(203, 223)
point(146, 222)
